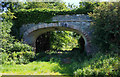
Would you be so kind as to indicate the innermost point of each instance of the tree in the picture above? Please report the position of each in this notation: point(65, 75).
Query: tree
point(63, 40)
point(12, 6)
point(88, 5)
point(106, 25)
point(49, 5)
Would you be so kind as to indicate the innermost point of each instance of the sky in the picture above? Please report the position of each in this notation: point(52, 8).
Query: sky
point(76, 2)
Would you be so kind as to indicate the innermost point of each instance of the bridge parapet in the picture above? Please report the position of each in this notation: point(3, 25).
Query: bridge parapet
point(81, 20)
point(72, 18)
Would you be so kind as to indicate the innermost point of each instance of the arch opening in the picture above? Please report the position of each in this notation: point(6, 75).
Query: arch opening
point(60, 41)
point(32, 35)
point(46, 53)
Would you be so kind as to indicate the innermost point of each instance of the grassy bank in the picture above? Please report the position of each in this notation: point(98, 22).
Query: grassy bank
point(61, 64)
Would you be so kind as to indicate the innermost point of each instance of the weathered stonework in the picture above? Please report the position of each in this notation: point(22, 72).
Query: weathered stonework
point(76, 23)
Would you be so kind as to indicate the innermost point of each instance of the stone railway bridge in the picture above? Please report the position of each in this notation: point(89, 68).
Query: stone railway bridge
point(79, 23)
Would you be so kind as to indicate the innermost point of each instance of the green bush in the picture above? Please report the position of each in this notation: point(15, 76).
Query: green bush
point(106, 25)
point(22, 57)
point(18, 47)
point(5, 39)
point(100, 64)
point(4, 58)
point(8, 46)
point(7, 42)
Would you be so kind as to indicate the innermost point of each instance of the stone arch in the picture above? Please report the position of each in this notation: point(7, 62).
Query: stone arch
point(34, 32)
point(78, 23)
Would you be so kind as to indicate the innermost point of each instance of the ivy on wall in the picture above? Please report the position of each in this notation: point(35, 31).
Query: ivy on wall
point(24, 16)
point(37, 15)
point(38, 12)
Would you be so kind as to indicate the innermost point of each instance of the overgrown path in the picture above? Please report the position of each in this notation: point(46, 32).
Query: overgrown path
point(67, 63)
point(60, 63)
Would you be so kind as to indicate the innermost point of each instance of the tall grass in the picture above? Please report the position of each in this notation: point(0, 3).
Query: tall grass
point(54, 64)
point(31, 68)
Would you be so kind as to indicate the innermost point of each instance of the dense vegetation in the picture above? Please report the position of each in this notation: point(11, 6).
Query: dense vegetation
point(17, 56)
point(106, 26)
point(63, 64)
point(58, 40)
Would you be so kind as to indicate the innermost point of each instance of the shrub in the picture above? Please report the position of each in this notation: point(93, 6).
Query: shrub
point(7, 42)
point(23, 57)
point(100, 65)
point(18, 47)
point(106, 25)
point(5, 38)
point(4, 58)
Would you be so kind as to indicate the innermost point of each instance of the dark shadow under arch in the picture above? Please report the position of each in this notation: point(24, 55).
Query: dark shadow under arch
point(43, 43)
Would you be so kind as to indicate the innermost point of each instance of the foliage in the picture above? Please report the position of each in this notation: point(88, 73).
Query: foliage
point(43, 14)
point(63, 40)
point(88, 5)
point(22, 57)
point(106, 25)
point(42, 6)
point(8, 16)
point(7, 42)
point(57, 40)
point(11, 6)
point(18, 47)
point(33, 68)
point(35, 15)
point(50, 5)
point(101, 64)
point(5, 39)
point(8, 45)
point(35, 12)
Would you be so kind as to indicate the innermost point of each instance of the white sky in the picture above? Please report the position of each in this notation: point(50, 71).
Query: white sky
point(76, 2)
